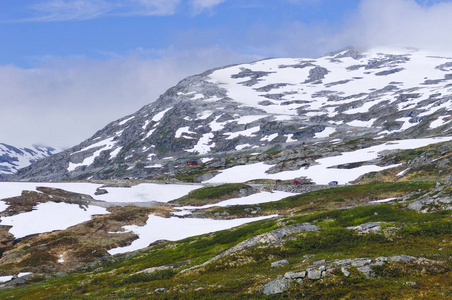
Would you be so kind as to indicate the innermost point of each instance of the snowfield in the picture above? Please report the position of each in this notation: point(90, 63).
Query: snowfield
point(172, 229)
point(50, 216)
point(145, 192)
point(13, 189)
point(324, 171)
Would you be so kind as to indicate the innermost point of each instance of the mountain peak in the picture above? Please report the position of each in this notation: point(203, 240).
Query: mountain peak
point(14, 158)
point(279, 102)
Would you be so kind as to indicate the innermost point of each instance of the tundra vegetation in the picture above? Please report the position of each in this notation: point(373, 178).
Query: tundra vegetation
point(357, 247)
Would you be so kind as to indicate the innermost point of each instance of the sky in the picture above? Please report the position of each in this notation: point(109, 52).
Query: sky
point(70, 67)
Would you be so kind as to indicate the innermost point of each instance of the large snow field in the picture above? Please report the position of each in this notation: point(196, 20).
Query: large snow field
point(145, 192)
point(50, 216)
point(324, 171)
point(3, 206)
point(13, 189)
point(173, 229)
point(412, 72)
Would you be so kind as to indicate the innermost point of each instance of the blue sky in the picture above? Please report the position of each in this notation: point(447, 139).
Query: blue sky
point(100, 29)
point(69, 67)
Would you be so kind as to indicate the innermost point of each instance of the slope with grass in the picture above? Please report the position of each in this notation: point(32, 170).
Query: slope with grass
point(410, 253)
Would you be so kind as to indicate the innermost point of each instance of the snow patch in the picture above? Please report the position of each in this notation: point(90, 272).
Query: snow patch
point(50, 216)
point(184, 130)
point(359, 123)
point(438, 122)
point(126, 120)
point(270, 137)
point(176, 229)
point(241, 147)
point(147, 192)
point(204, 144)
point(326, 132)
point(115, 152)
point(325, 171)
point(160, 115)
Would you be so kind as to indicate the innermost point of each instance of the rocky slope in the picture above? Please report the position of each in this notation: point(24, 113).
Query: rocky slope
point(13, 158)
point(267, 105)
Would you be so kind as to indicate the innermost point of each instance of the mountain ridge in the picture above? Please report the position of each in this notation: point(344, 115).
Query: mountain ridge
point(13, 158)
point(268, 104)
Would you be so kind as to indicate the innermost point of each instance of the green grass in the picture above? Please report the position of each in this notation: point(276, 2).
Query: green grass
point(189, 176)
point(211, 194)
point(332, 198)
point(334, 240)
point(242, 275)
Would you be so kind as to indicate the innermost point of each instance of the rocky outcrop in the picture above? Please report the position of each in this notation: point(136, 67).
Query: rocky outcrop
point(438, 199)
point(270, 237)
point(322, 268)
point(370, 227)
point(277, 286)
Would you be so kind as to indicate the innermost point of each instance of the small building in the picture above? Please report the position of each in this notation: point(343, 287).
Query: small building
point(192, 163)
point(297, 182)
point(333, 183)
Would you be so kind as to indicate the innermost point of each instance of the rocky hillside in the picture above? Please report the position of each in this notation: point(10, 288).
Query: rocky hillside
point(14, 158)
point(267, 105)
point(373, 241)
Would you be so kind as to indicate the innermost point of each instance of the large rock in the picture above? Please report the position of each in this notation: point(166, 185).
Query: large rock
point(279, 263)
point(277, 286)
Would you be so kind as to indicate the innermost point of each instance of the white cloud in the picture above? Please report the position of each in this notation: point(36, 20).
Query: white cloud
point(152, 7)
point(201, 5)
point(66, 100)
point(69, 10)
point(404, 23)
point(393, 23)
point(58, 10)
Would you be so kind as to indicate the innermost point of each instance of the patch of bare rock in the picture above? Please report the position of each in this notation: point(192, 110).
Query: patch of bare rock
point(321, 269)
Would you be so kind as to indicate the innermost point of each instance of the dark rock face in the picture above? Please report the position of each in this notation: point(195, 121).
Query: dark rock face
point(273, 104)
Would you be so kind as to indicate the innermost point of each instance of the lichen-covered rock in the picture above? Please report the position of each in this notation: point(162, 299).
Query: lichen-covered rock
point(279, 263)
point(315, 274)
point(277, 286)
point(367, 227)
point(367, 271)
point(295, 275)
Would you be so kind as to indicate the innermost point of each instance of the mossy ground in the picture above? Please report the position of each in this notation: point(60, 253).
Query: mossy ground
point(243, 274)
point(211, 194)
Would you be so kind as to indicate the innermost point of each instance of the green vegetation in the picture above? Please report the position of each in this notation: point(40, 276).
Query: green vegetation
point(146, 277)
point(242, 275)
point(331, 198)
point(334, 240)
point(189, 175)
point(212, 194)
point(429, 163)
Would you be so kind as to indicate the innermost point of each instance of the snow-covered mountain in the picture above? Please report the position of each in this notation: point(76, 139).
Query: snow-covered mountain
point(14, 158)
point(267, 105)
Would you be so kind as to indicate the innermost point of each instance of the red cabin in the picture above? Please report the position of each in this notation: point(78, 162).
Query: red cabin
point(192, 163)
point(297, 182)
